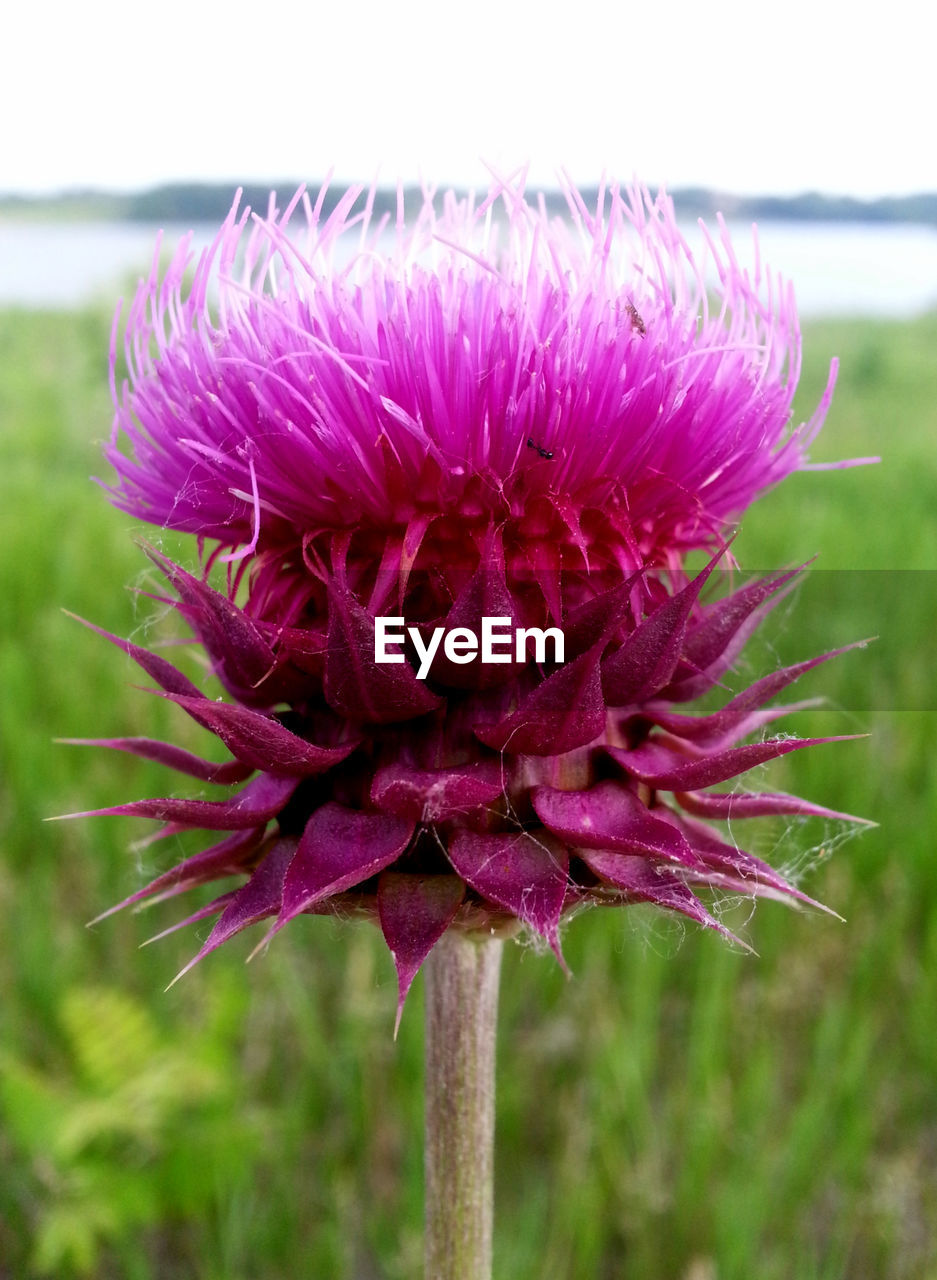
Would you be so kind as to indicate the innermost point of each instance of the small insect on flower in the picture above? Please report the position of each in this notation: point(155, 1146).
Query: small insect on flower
point(544, 453)
point(467, 794)
point(636, 322)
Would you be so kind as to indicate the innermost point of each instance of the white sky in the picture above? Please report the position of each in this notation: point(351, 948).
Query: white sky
point(741, 96)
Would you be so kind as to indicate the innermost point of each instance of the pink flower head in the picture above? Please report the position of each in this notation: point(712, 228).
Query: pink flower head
point(490, 360)
point(500, 415)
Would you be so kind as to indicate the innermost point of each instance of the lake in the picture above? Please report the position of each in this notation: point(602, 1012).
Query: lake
point(837, 268)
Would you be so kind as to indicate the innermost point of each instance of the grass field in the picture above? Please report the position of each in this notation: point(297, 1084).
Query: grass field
point(677, 1110)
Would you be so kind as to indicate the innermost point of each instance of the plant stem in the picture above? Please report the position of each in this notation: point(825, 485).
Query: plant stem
point(461, 975)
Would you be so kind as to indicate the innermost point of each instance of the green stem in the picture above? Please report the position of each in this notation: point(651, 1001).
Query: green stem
point(461, 976)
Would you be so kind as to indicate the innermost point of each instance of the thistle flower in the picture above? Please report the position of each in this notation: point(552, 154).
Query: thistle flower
point(502, 416)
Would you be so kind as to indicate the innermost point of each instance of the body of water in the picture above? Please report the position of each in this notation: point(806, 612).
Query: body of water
point(836, 268)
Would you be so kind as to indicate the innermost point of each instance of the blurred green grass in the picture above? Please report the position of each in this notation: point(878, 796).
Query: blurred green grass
point(677, 1110)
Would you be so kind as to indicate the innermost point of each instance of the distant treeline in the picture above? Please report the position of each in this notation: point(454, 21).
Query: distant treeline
point(209, 202)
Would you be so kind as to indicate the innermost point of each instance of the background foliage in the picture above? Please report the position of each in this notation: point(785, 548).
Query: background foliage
point(677, 1110)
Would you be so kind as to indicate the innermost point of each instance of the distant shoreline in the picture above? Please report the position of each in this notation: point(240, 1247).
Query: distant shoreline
point(210, 202)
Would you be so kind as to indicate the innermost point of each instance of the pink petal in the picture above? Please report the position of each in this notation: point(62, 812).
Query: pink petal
point(415, 912)
point(670, 771)
point(648, 883)
point(222, 859)
point(736, 718)
point(163, 672)
point(564, 712)
point(182, 761)
point(715, 642)
point(261, 800)
point(740, 804)
point(598, 618)
point(609, 816)
point(339, 848)
point(736, 869)
point(524, 874)
point(485, 595)
point(432, 795)
point(646, 661)
point(242, 657)
point(260, 740)
point(358, 687)
point(254, 901)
